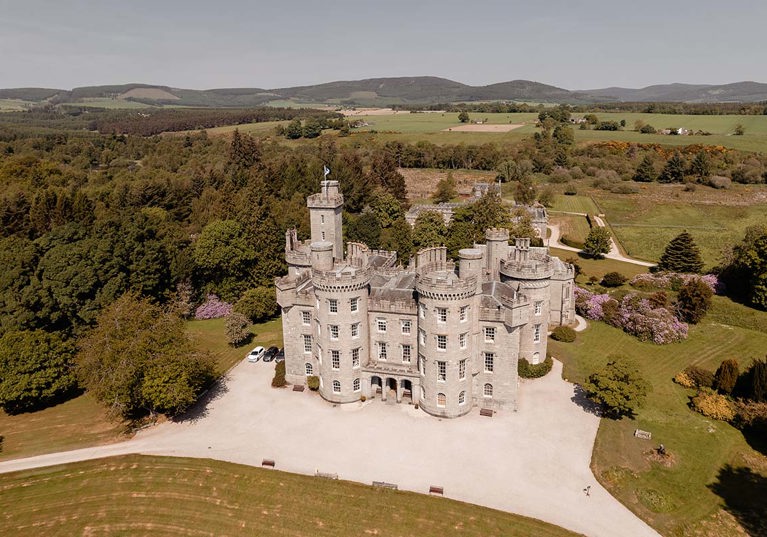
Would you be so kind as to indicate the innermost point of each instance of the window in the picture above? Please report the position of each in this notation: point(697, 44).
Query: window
point(309, 369)
point(490, 334)
point(462, 340)
point(323, 235)
point(406, 354)
point(356, 330)
point(488, 390)
point(381, 350)
point(355, 357)
point(306, 317)
point(336, 386)
point(464, 313)
point(307, 344)
point(442, 371)
point(333, 305)
point(422, 336)
point(335, 359)
point(462, 369)
point(536, 358)
point(322, 219)
point(462, 398)
point(441, 399)
point(381, 324)
point(356, 385)
point(354, 304)
point(406, 327)
point(442, 315)
point(421, 311)
point(537, 334)
point(333, 331)
point(421, 365)
point(489, 359)
point(442, 342)
point(538, 307)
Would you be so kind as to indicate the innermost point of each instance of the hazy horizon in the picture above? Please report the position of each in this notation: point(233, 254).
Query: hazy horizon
point(270, 44)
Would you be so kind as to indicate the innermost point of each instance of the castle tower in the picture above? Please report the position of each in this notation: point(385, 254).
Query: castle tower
point(497, 240)
point(325, 210)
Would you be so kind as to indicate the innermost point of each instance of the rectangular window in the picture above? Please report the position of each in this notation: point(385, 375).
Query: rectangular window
point(335, 359)
point(442, 315)
point(354, 304)
point(406, 354)
point(464, 313)
point(462, 340)
point(537, 334)
point(442, 371)
point(462, 369)
point(307, 344)
point(421, 311)
point(422, 336)
point(322, 219)
point(538, 307)
point(489, 362)
point(442, 342)
point(306, 317)
point(333, 331)
point(381, 323)
point(333, 305)
point(356, 330)
point(355, 357)
point(490, 334)
point(406, 327)
point(381, 350)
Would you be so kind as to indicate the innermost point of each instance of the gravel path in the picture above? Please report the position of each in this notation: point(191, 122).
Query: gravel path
point(534, 462)
point(614, 253)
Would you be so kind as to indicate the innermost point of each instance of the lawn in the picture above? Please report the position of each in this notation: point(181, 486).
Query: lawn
point(142, 495)
point(675, 499)
point(599, 267)
point(574, 204)
point(574, 228)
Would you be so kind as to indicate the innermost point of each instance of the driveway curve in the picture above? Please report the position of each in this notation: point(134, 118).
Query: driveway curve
point(614, 253)
point(533, 462)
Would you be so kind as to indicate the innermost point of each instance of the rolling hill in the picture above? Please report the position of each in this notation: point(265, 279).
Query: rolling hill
point(386, 92)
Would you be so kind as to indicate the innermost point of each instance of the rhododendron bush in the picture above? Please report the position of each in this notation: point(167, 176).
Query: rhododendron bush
point(674, 280)
point(212, 308)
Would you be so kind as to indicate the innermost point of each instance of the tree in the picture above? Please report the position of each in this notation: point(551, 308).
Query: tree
point(386, 208)
point(312, 128)
point(525, 191)
point(739, 130)
point(398, 238)
point(429, 230)
point(726, 376)
point(693, 301)
point(753, 383)
point(35, 370)
point(681, 255)
point(700, 166)
point(258, 304)
point(223, 254)
point(673, 171)
point(597, 242)
point(364, 228)
point(563, 134)
point(236, 327)
point(463, 116)
point(383, 173)
point(294, 130)
point(445, 189)
point(645, 172)
point(618, 387)
point(138, 358)
point(750, 268)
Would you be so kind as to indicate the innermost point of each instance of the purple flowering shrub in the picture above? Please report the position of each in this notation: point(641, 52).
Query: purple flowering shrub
point(633, 314)
point(674, 280)
point(212, 308)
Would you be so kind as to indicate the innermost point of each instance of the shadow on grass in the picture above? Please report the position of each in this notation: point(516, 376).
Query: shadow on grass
point(756, 437)
point(581, 399)
point(744, 493)
point(200, 409)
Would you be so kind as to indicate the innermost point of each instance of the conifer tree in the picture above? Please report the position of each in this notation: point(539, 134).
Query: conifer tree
point(726, 376)
point(445, 189)
point(681, 255)
point(645, 172)
point(673, 171)
point(700, 166)
point(597, 242)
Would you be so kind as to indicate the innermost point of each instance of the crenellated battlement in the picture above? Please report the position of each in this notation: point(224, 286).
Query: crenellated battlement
point(527, 270)
point(350, 279)
point(392, 306)
point(497, 234)
point(445, 285)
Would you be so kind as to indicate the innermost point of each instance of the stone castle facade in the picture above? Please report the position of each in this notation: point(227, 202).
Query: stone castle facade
point(447, 337)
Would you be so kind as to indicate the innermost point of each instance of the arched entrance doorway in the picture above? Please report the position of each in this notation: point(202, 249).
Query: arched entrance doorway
point(376, 386)
point(391, 389)
point(407, 390)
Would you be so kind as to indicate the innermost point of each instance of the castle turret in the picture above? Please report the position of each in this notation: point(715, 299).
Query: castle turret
point(325, 210)
point(497, 240)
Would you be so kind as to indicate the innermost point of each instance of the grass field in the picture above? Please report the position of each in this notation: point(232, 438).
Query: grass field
point(574, 204)
point(141, 495)
point(13, 105)
point(572, 227)
point(675, 499)
point(599, 267)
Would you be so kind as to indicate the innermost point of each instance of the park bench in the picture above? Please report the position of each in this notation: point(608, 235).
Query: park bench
point(436, 490)
point(487, 412)
point(267, 463)
point(298, 388)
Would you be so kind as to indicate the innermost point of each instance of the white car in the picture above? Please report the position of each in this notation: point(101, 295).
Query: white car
point(256, 354)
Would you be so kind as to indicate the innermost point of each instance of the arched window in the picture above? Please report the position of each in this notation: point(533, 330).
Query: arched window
point(488, 391)
point(309, 369)
point(441, 399)
point(336, 386)
point(536, 357)
point(356, 385)
point(462, 398)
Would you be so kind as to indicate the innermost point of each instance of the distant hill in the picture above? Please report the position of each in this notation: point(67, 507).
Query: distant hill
point(390, 91)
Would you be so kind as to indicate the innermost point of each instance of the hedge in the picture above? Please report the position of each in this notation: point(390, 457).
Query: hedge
point(564, 334)
point(527, 370)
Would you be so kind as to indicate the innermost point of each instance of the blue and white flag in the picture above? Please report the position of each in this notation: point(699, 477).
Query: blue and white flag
point(325, 171)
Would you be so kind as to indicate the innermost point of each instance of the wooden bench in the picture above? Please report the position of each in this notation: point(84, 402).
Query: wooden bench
point(298, 388)
point(487, 412)
point(645, 435)
point(267, 463)
point(436, 490)
point(385, 485)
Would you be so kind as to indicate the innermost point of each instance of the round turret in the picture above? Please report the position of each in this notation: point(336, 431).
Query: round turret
point(322, 256)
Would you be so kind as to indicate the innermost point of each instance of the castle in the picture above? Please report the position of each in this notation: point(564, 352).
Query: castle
point(444, 337)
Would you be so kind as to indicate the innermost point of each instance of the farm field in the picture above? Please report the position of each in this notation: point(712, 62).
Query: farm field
point(678, 499)
point(13, 105)
point(137, 495)
point(264, 128)
point(437, 121)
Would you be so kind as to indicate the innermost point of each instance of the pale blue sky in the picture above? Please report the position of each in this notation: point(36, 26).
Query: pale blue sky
point(576, 44)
